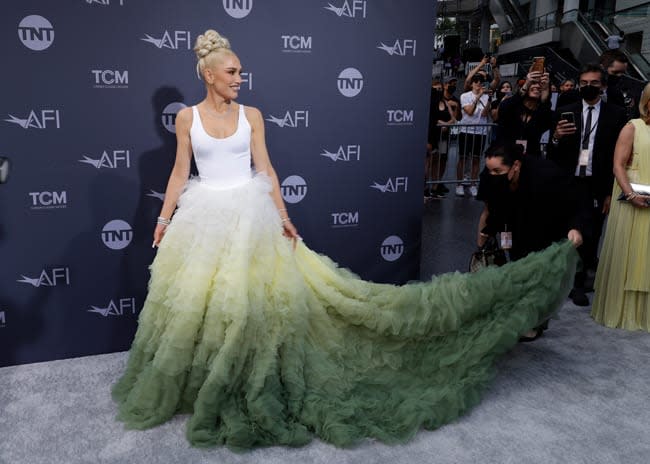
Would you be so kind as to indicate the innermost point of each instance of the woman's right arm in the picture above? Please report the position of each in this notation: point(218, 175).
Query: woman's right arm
point(482, 222)
point(180, 171)
point(622, 154)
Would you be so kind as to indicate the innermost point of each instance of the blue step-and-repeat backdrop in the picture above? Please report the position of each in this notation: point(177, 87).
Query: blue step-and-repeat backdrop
point(89, 94)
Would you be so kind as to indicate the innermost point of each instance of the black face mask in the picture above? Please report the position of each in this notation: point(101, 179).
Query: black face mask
point(589, 92)
point(436, 93)
point(499, 183)
point(451, 89)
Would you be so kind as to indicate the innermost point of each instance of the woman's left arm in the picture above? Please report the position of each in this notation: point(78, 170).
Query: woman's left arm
point(262, 163)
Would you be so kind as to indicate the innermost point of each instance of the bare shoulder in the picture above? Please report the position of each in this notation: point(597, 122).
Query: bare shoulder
point(184, 116)
point(252, 113)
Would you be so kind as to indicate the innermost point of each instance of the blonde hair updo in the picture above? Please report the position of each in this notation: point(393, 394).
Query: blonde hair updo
point(207, 47)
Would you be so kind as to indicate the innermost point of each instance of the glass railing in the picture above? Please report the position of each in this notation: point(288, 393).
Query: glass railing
point(538, 24)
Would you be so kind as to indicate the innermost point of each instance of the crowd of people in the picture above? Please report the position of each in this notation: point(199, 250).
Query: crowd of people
point(560, 157)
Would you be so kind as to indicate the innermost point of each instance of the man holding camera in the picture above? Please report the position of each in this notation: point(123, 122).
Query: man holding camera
point(583, 143)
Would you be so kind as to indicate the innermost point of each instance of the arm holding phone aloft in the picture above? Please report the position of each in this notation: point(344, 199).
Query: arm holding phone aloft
point(468, 80)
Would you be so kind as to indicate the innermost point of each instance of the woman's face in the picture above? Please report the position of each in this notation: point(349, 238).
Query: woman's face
point(535, 91)
point(506, 87)
point(224, 76)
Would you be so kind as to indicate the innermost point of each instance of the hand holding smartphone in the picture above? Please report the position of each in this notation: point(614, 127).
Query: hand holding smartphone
point(567, 116)
point(538, 64)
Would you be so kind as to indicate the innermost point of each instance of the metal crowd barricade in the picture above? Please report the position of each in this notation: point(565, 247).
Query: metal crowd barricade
point(459, 154)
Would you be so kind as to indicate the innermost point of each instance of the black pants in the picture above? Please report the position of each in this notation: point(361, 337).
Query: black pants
point(593, 208)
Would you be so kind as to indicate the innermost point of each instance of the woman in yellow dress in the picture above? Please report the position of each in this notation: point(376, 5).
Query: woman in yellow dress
point(622, 296)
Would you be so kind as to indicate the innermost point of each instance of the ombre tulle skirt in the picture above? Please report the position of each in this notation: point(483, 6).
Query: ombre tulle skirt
point(266, 345)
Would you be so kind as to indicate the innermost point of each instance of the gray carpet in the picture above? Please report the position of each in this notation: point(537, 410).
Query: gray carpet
point(580, 394)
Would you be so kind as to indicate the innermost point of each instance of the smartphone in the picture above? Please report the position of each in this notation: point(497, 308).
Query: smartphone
point(538, 64)
point(568, 116)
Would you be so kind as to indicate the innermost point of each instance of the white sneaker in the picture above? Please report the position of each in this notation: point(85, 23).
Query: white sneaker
point(473, 190)
point(460, 190)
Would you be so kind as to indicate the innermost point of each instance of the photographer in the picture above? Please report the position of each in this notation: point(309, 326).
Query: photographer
point(487, 64)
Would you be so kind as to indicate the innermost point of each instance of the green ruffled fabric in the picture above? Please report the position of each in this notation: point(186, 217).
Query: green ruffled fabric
point(265, 345)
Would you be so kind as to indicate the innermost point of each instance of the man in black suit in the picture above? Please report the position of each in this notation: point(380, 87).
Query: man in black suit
point(585, 147)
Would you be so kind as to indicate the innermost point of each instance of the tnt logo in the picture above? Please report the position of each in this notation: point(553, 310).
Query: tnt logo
point(399, 48)
point(348, 219)
point(36, 32)
point(344, 153)
point(297, 119)
point(49, 278)
point(296, 44)
point(169, 115)
point(350, 9)
point(159, 195)
point(110, 79)
point(49, 200)
point(350, 82)
point(392, 248)
point(294, 189)
point(44, 119)
point(111, 159)
point(399, 117)
point(117, 234)
point(246, 80)
point(105, 2)
point(174, 40)
point(3, 319)
point(395, 185)
point(119, 308)
point(238, 9)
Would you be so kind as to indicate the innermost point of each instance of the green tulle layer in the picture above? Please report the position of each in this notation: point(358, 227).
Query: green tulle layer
point(265, 345)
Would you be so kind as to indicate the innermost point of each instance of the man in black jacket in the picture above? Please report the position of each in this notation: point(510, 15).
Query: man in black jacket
point(583, 144)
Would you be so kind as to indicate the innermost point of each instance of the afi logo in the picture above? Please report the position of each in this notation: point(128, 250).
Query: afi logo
point(48, 278)
point(109, 159)
point(246, 80)
point(400, 117)
point(158, 195)
point(169, 115)
point(350, 82)
point(238, 9)
point(299, 117)
point(108, 78)
point(392, 248)
point(117, 234)
point(42, 120)
point(104, 2)
point(49, 200)
point(350, 8)
point(344, 153)
point(294, 189)
point(36, 32)
point(403, 48)
point(172, 40)
point(398, 184)
point(112, 309)
point(345, 219)
point(296, 44)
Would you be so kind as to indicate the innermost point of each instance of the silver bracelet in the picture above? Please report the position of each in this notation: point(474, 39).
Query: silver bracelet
point(286, 220)
point(163, 221)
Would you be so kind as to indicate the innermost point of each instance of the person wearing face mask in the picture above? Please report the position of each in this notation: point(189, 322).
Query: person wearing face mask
point(584, 148)
point(528, 205)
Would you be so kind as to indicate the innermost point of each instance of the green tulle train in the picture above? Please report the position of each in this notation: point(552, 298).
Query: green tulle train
point(270, 346)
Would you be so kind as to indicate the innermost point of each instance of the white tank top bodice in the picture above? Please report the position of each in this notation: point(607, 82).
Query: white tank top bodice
point(222, 163)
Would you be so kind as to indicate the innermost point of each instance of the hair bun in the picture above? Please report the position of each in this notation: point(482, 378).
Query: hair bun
point(208, 42)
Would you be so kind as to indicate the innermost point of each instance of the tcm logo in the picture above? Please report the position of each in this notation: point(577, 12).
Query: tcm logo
point(238, 9)
point(174, 40)
point(36, 32)
point(49, 200)
point(392, 248)
point(49, 278)
point(297, 119)
point(345, 219)
point(110, 79)
point(44, 119)
point(169, 115)
point(117, 234)
point(159, 195)
point(111, 159)
point(399, 117)
point(119, 308)
point(296, 44)
point(349, 8)
point(246, 80)
point(396, 185)
point(350, 82)
point(400, 48)
point(294, 189)
point(344, 153)
point(105, 2)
